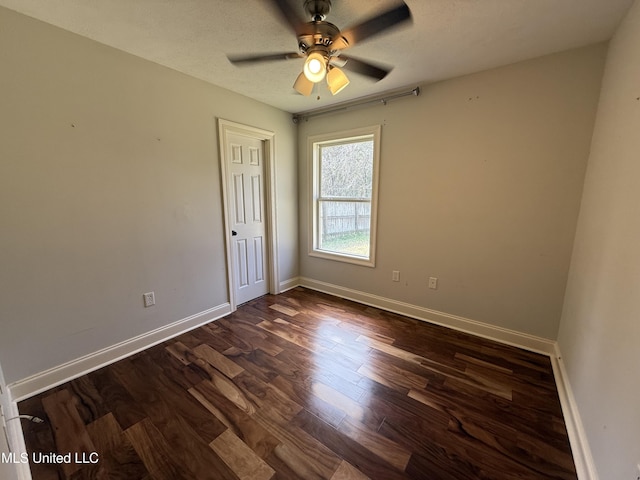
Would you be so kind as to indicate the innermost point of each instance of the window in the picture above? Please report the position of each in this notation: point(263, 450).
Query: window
point(345, 181)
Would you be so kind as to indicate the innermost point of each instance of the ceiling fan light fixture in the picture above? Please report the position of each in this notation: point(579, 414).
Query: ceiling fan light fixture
point(320, 43)
point(315, 67)
point(303, 86)
point(336, 80)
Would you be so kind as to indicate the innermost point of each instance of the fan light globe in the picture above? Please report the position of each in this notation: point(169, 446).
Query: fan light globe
point(336, 80)
point(315, 67)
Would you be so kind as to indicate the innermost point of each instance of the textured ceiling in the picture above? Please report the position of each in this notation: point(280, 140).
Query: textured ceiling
point(447, 38)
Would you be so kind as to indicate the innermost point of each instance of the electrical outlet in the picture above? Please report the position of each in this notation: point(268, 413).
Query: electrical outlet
point(149, 299)
point(433, 283)
point(395, 276)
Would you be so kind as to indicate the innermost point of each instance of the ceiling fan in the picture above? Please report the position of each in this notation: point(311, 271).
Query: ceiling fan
point(321, 44)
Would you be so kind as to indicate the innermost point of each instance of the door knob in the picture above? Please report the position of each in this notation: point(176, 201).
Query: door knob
point(233, 233)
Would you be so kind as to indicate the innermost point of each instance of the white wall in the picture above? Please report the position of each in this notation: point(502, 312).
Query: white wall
point(480, 185)
point(109, 188)
point(600, 328)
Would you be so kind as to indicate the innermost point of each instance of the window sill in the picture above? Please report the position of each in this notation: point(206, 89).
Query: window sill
point(341, 257)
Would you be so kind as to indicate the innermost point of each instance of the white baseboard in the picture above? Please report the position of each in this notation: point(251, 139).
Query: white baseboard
point(43, 381)
point(289, 284)
point(481, 329)
point(585, 466)
point(12, 439)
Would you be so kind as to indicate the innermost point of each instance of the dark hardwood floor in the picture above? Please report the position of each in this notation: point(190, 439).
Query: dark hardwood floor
point(308, 386)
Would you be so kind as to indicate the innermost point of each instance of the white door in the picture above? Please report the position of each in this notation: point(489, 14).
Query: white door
point(246, 203)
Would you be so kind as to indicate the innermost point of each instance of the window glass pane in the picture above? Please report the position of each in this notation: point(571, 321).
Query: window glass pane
point(344, 227)
point(344, 195)
point(346, 170)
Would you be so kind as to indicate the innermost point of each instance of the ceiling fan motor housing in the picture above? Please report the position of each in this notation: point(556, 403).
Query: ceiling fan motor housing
point(319, 36)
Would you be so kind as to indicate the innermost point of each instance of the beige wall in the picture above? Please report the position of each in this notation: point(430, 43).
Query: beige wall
point(480, 186)
point(109, 188)
point(600, 328)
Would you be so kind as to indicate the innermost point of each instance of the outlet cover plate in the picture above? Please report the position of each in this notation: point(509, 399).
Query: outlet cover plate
point(149, 299)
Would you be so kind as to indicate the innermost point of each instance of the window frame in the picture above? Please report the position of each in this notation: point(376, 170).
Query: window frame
point(336, 138)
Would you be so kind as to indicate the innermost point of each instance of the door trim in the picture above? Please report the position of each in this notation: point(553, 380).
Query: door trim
point(224, 128)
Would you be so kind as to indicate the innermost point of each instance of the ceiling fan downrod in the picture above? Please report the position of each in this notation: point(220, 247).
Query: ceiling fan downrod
point(317, 9)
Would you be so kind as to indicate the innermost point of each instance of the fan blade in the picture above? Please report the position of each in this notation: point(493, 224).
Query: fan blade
point(249, 59)
point(289, 15)
point(364, 68)
point(371, 27)
point(338, 61)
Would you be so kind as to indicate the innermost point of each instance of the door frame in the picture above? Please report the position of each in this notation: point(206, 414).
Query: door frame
point(268, 137)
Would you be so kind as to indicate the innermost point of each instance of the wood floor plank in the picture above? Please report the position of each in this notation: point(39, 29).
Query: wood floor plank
point(352, 451)
point(325, 363)
point(253, 335)
point(300, 393)
point(168, 400)
point(357, 353)
point(428, 466)
point(117, 457)
point(70, 433)
point(284, 309)
point(390, 349)
point(229, 390)
point(526, 420)
point(185, 376)
point(240, 458)
point(116, 399)
point(474, 443)
point(391, 376)
point(340, 401)
point(181, 352)
point(302, 453)
point(468, 377)
point(388, 450)
point(305, 385)
point(218, 361)
point(89, 403)
point(296, 335)
point(483, 363)
point(39, 438)
point(297, 464)
point(212, 334)
point(388, 404)
point(262, 365)
point(243, 425)
point(346, 471)
point(155, 452)
point(268, 398)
